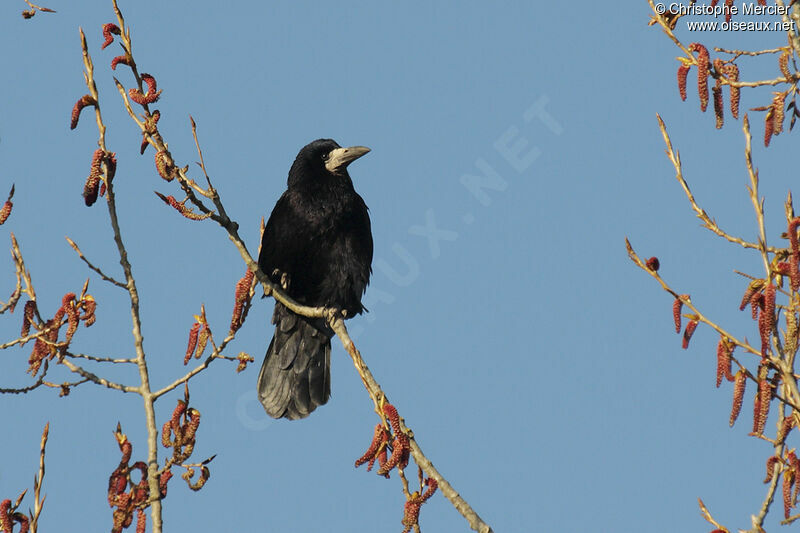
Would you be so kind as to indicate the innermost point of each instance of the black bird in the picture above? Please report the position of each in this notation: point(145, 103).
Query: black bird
point(318, 245)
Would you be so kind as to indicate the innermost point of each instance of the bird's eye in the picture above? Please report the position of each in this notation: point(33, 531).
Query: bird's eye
point(326, 156)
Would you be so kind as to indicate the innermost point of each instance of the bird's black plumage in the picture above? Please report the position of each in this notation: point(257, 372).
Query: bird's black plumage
point(318, 245)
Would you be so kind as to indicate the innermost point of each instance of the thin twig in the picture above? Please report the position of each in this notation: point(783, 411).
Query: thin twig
point(758, 203)
point(127, 104)
point(67, 384)
point(38, 383)
point(199, 151)
point(189, 375)
point(24, 390)
point(100, 359)
point(707, 515)
point(39, 8)
point(88, 77)
point(790, 520)
point(738, 53)
point(41, 331)
point(376, 393)
point(15, 296)
point(662, 21)
point(97, 379)
point(708, 222)
point(215, 354)
point(758, 520)
point(38, 499)
point(794, 399)
point(104, 276)
point(188, 185)
point(698, 316)
point(26, 276)
point(760, 83)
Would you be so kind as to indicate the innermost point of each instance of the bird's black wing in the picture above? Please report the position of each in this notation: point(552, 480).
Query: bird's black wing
point(282, 240)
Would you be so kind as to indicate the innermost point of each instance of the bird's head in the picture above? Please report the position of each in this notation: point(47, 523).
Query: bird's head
point(323, 158)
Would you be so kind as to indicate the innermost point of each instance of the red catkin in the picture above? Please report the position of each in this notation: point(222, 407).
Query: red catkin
point(688, 332)
point(702, 73)
point(683, 73)
point(740, 383)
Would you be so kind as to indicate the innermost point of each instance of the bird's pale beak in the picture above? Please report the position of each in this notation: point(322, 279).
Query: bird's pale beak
point(339, 158)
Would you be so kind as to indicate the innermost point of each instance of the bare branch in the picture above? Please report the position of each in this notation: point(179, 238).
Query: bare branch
point(15, 296)
point(189, 375)
point(41, 331)
point(199, 152)
point(707, 515)
point(216, 354)
point(26, 276)
point(377, 395)
point(700, 317)
point(91, 266)
point(100, 359)
point(738, 53)
point(760, 83)
point(39, 8)
point(662, 21)
point(24, 390)
point(97, 379)
point(758, 520)
point(708, 223)
point(758, 203)
point(33, 9)
point(38, 499)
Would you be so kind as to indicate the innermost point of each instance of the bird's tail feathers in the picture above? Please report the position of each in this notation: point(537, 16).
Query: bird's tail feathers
point(295, 375)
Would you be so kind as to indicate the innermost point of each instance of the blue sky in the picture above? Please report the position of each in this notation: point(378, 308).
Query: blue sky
point(538, 368)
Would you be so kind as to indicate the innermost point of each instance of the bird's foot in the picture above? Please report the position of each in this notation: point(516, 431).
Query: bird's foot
point(284, 278)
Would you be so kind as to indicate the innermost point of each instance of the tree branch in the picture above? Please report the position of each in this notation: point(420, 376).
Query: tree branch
point(708, 222)
point(130, 285)
point(97, 379)
point(91, 266)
